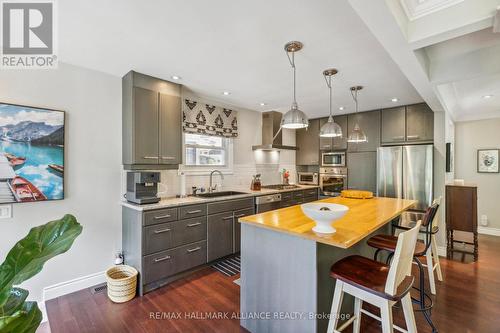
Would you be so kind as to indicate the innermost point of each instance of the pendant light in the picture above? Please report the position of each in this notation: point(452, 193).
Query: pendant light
point(357, 135)
point(330, 129)
point(294, 118)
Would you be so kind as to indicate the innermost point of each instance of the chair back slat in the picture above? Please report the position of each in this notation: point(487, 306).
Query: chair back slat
point(402, 260)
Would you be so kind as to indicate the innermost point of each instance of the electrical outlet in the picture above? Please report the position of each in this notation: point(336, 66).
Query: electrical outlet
point(484, 220)
point(5, 211)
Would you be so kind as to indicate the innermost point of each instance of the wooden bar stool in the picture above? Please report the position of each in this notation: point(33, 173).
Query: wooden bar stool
point(389, 243)
point(378, 284)
point(431, 255)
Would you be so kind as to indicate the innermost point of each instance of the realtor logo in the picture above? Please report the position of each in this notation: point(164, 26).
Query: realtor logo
point(28, 34)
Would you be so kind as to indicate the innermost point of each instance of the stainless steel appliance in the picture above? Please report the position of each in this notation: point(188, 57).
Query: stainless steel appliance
point(142, 187)
point(266, 203)
point(406, 172)
point(333, 159)
point(332, 181)
point(308, 178)
point(271, 133)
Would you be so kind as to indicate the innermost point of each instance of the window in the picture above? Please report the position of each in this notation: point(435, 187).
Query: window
point(205, 150)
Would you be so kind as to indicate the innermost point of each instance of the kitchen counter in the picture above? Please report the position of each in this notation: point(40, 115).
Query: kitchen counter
point(175, 202)
point(364, 217)
point(285, 266)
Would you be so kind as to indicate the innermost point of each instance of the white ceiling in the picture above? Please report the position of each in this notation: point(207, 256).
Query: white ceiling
point(237, 46)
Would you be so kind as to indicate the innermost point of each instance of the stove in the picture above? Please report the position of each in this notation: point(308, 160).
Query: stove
point(280, 187)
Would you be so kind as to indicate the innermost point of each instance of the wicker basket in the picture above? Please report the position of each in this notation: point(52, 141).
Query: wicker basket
point(122, 283)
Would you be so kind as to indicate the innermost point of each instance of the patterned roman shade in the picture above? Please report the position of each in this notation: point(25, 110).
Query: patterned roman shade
point(208, 119)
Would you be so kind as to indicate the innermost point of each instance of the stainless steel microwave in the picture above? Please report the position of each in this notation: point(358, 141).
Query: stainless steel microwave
point(333, 159)
point(308, 178)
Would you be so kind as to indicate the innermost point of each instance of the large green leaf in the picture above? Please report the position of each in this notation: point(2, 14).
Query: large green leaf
point(29, 255)
point(14, 302)
point(25, 320)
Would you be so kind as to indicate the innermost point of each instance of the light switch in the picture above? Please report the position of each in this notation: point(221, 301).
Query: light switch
point(5, 211)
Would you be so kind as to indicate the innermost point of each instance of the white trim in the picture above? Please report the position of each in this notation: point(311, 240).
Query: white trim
point(67, 287)
point(195, 170)
point(488, 231)
point(442, 251)
point(43, 310)
point(415, 9)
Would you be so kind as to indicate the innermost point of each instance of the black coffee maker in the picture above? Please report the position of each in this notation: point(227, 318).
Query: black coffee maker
point(142, 187)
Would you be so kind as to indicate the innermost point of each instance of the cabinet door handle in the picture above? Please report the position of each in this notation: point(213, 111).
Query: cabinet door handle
point(240, 215)
point(162, 217)
point(168, 158)
point(150, 157)
point(193, 211)
point(413, 137)
point(227, 217)
point(397, 138)
point(162, 259)
point(299, 195)
point(161, 231)
point(194, 250)
point(326, 146)
point(194, 224)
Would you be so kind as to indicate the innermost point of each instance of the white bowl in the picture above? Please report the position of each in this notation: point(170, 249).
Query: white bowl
point(324, 214)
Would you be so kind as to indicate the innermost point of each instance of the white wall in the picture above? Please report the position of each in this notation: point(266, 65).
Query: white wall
point(92, 101)
point(469, 137)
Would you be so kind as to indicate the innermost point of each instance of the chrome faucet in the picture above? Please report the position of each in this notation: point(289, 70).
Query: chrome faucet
point(210, 187)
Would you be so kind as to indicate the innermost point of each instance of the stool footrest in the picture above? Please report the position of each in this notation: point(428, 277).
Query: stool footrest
point(369, 314)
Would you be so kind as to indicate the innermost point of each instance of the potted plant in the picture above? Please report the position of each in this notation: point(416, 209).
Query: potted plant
point(25, 260)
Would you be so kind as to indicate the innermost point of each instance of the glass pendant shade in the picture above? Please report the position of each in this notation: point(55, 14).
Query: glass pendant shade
point(330, 129)
point(294, 118)
point(357, 135)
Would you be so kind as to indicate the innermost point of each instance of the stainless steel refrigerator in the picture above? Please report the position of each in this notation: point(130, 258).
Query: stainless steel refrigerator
point(406, 172)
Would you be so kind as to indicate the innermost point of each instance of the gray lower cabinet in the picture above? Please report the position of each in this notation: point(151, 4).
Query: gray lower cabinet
point(307, 142)
point(151, 122)
point(293, 198)
point(419, 123)
point(237, 227)
point(220, 235)
point(369, 122)
point(362, 171)
point(393, 125)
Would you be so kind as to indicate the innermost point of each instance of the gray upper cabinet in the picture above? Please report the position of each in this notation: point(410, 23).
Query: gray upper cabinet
point(362, 169)
point(334, 143)
point(419, 123)
point(370, 124)
point(151, 122)
point(393, 125)
point(307, 142)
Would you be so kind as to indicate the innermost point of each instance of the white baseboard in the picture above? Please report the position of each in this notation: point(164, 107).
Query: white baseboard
point(488, 231)
point(68, 287)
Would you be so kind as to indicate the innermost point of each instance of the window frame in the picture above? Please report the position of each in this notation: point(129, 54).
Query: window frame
point(227, 168)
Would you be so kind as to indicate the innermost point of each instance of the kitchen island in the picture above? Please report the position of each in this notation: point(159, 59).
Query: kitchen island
point(285, 282)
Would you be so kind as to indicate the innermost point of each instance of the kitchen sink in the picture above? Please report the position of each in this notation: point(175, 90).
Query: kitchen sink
point(219, 194)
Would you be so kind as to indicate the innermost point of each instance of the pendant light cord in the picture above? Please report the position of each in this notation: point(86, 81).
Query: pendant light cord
point(292, 63)
point(354, 95)
point(329, 84)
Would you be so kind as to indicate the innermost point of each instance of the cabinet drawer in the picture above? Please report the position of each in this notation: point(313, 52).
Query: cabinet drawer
point(311, 192)
point(166, 263)
point(192, 211)
point(298, 195)
point(158, 237)
point(286, 196)
point(226, 206)
point(160, 216)
point(169, 235)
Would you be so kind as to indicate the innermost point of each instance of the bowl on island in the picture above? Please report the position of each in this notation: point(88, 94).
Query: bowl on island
point(324, 214)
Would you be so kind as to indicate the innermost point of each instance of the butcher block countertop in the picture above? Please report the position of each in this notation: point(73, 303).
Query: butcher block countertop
point(364, 217)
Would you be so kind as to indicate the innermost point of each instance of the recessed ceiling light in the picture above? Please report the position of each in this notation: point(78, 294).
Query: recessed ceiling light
point(487, 96)
point(175, 77)
point(341, 108)
point(263, 104)
point(394, 100)
point(226, 93)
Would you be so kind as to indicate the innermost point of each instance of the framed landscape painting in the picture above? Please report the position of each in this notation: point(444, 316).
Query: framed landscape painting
point(31, 154)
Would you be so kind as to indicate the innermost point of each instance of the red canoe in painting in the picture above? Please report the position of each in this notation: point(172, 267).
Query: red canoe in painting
point(14, 160)
point(25, 191)
point(57, 167)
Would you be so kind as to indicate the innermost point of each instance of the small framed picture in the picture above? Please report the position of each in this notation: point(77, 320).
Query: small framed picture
point(487, 160)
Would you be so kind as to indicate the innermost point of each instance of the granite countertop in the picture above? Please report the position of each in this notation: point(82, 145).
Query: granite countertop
point(364, 217)
point(175, 202)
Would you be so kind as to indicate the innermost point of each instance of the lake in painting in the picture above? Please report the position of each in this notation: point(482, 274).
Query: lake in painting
point(31, 154)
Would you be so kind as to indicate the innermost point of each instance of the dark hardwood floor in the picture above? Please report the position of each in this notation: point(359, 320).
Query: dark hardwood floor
point(467, 301)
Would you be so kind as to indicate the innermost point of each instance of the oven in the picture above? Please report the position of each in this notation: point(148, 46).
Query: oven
point(332, 181)
point(333, 159)
point(308, 178)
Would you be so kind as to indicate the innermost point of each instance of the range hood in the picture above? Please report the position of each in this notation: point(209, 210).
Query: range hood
point(271, 133)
